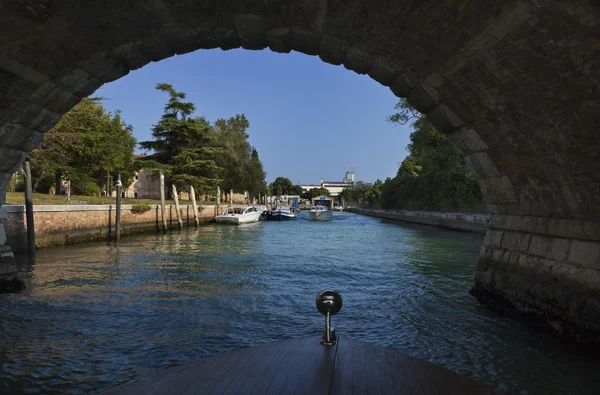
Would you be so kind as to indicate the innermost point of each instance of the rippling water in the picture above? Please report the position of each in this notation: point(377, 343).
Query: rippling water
point(94, 315)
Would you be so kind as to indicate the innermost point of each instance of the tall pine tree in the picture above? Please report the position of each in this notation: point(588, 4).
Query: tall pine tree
point(184, 147)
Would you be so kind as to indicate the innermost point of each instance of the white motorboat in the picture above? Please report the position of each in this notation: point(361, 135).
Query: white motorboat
point(239, 215)
point(338, 208)
point(320, 213)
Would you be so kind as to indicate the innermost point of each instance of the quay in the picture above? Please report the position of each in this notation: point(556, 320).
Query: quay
point(304, 366)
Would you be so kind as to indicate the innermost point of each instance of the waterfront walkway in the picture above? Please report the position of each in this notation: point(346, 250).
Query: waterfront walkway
point(304, 366)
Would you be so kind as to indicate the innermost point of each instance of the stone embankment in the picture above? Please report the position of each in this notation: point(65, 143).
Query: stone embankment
point(467, 222)
point(60, 225)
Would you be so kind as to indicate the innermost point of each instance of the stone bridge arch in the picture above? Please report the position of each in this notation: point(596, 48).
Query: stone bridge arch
point(514, 84)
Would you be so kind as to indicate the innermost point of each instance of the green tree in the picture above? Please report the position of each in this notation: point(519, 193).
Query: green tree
point(184, 147)
point(315, 192)
point(256, 175)
point(433, 176)
point(281, 186)
point(86, 145)
point(236, 153)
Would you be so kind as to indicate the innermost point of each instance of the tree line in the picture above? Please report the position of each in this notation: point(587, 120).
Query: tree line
point(432, 177)
point(90, 146)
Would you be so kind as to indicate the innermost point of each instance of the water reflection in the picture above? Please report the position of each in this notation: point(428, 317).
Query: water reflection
point(96, 315)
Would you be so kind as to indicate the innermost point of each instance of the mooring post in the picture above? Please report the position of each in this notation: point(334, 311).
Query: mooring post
point(118, 213)
point(162, 201)
point(194, 207)
point(218, 200)
point(29, 208)
point(176, 198)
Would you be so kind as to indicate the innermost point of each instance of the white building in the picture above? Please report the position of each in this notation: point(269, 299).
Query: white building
point(335, 188)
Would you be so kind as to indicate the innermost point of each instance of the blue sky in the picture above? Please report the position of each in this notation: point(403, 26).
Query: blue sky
point(309, 120)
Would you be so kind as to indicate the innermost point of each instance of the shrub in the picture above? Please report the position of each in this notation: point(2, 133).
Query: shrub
point(140, 208)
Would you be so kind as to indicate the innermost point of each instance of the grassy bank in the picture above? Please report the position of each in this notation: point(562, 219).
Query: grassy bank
point(18, 198)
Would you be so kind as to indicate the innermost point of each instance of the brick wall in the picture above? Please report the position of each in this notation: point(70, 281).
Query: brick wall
point(60, 225)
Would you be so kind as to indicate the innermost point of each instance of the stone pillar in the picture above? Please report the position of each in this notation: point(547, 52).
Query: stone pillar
point(546, 270)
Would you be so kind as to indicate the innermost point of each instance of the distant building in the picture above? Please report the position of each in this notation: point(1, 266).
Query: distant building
point(143, 186)
point(335, 188)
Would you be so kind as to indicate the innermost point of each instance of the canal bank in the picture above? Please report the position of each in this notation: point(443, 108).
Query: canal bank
point(467, 222)
point(57, 225)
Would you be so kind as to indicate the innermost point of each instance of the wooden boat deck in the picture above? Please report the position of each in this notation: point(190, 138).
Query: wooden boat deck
point(304, 366)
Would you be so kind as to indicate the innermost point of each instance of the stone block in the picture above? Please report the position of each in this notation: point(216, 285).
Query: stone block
point(559, 249)
point(205, 38)
point(493, 238)
point(156, 48)
point(21, 70)
point(80, 83)
point(401, 86)
point(444, 119)
point(435, 80)
point(4, 180)
point(333, 50)
point(131, 55)
point(227, 38)
point(19, 138)
point(383, 71)
point(540, 246)
point(585, 253)
point(523, 242)
point(105, 66)
point(467, 141)
point(481, 165)
point(358, 61)
point(510, 240)
point(424, 98)
point(497, 190)
point(11, 159)
point(280, 40)
point(252, 30)
point(37, 118)
point(306, 42)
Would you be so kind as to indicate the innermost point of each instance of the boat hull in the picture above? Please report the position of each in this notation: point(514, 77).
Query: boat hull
point(320, 215)
point(280, 216)
point(238, 219)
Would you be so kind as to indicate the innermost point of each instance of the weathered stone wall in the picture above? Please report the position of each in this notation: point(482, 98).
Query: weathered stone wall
point(59, 225)
point(514, 84)
point(546, 270)
point(468, 222)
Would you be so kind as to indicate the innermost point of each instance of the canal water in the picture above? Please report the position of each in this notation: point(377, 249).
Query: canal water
point(94, 315)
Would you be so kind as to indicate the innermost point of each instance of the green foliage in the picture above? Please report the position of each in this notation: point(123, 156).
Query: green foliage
point(433, 176)
point(315, 192)
point(191, 151)
point(184, 147)
point(256, 176)
point(364, 193)
point(236, 152)
point(85, 146)
point(281, 186)
point(140, 208)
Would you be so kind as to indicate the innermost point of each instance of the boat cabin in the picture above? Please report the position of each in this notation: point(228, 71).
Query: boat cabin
point(239, 210)
point(322, 201)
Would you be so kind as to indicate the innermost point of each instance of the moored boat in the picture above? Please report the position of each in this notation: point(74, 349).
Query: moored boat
point(283, 213)
point(239, 215)
point(320, 213)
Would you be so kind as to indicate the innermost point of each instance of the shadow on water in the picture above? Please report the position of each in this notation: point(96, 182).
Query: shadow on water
point(95, 315)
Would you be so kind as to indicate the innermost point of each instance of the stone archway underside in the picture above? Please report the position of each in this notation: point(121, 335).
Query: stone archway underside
point(513, 83)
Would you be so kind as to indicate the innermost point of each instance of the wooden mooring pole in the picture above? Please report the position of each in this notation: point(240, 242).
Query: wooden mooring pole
point(29, 208)
point(118, 213)
point(176, 198)
point(162, 201)
point(194, 206)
